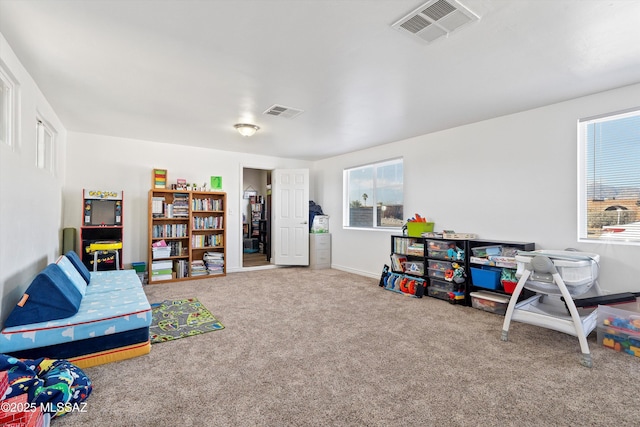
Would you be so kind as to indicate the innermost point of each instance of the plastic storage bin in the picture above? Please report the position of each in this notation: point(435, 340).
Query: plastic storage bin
point(485, 251)
point(437, 292)
point(619, 328)
point(413, 267)
point(486, 277)
point(509, 286)
point(436, 274)
point(415, 229)
point(444, 285)
point(440, 265)
point(490, 301)
point(440, 248)
point(139, 267)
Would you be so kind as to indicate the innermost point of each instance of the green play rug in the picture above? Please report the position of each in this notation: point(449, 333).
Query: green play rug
point(172, 320)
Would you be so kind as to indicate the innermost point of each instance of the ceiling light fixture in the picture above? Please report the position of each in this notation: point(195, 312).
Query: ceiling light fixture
point(246, 129)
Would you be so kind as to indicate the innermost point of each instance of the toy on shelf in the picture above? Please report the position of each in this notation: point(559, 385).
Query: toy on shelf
point(456, 297)
point(402, 283)
point(455, 274)
point(455, 252)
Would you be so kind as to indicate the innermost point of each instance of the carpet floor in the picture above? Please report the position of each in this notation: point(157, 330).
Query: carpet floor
point(308, 347)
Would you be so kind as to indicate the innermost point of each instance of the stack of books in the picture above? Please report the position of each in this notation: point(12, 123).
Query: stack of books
point(160, 250)
point(180, 205)
point(214, 262)
point(161, 270)
point(198, 268)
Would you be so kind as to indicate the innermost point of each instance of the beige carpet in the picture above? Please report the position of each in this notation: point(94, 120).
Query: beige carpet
point(325, 348)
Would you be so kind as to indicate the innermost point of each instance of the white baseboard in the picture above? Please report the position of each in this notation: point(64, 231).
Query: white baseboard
point(355, 271)
point(259, 267)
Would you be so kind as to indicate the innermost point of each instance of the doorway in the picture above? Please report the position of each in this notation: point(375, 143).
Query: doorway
point(256, 217)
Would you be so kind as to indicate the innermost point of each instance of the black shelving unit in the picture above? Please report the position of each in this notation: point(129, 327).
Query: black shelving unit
point(447, 269)
point(478, 262)
point(447, 264)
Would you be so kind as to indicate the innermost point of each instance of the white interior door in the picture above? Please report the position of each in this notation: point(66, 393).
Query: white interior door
point(290, 232)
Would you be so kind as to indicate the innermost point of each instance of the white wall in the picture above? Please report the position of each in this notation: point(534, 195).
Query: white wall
point(510, 178)
point(108, 163)
point(30, 198)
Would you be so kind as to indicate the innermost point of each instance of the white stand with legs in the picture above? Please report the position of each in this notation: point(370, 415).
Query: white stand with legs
point(545, 309)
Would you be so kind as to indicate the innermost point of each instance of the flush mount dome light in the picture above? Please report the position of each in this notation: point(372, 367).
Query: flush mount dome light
point(246, 129)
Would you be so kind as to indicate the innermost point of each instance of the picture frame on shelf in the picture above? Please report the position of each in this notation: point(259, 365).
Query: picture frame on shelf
point(159, 178)
point(216, 183)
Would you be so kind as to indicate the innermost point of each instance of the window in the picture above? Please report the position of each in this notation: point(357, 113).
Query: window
point(609, 178)
point(7, 106)
point(45, 138)
point(373, 195)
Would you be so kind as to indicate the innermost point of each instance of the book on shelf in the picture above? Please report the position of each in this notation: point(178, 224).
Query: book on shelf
point(163, 252)
point(157, 207)
point(181, 268)
point(397, 262)
point(162, 272)
point(161, 277)
point(161, 265)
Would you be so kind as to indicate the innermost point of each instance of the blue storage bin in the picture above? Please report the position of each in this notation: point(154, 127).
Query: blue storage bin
point(486, 277)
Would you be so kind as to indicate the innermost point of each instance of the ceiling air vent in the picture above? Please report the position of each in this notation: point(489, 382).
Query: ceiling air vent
point(282, 111)
point(435, 19)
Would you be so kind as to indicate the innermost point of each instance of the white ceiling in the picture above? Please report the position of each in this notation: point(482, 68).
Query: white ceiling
point(185, 71)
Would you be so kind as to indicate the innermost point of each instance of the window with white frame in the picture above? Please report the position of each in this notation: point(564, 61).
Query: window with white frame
point(45, 140)
point(373, 195)
point(7, 106)
point(609, 178)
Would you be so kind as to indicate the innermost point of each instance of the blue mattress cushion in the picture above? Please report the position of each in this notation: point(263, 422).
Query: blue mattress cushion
point(50, 296)
point(79, 265)
point(67, 268)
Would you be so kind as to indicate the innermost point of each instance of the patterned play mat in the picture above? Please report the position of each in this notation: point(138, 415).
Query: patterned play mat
point(176, 319)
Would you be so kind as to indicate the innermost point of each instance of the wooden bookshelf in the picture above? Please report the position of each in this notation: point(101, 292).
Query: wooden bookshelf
point(192, 224)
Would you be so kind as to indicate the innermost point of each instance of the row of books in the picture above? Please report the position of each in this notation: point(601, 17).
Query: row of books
point(211, 264)
point(397, 262)
point(204, 223)
point(205, 241)
point(181, 268)
point(209, 204)
point(169, 230)
point(408, 246)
